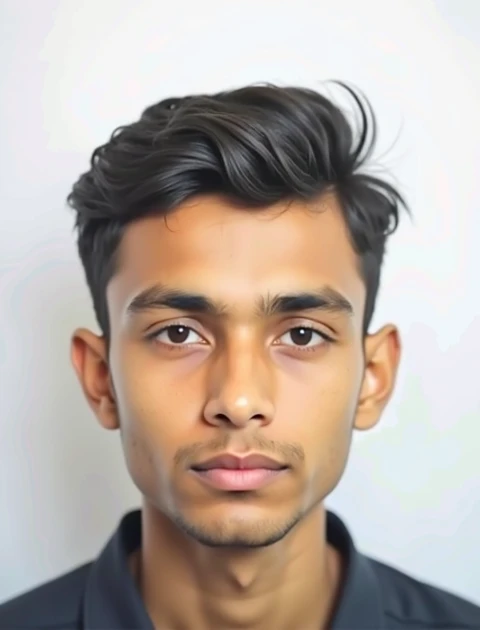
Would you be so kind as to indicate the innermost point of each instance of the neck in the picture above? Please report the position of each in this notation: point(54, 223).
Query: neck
point(289, 585)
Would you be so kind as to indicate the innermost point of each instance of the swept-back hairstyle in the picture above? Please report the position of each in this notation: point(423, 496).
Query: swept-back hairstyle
point(256, 146)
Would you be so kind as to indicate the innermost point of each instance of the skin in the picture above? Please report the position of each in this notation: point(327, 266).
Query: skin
point(240, 383)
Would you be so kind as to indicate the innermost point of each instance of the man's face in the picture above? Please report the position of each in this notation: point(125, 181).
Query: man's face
point(242, 377)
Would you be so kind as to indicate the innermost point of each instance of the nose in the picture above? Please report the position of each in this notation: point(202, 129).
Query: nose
point(240, 390)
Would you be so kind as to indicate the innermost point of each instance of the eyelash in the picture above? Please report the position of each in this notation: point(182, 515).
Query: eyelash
point(152, 337)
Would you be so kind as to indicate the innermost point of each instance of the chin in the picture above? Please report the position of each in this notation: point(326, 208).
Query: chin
point(236, 530)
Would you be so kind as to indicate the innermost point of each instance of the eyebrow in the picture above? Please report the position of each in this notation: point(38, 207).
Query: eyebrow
point(160, 297)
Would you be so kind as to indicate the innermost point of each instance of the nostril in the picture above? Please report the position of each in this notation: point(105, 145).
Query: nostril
point(222, 416)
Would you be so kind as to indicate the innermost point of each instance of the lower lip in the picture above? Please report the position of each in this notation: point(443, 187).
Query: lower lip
point(238, 479)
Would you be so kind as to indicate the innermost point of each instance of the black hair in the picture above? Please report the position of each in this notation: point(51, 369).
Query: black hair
point(256, 146)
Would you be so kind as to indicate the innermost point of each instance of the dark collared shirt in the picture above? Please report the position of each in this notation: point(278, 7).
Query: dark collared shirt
point(102, 595)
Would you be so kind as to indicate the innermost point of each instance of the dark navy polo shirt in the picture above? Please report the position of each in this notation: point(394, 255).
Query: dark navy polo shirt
point(102, 595)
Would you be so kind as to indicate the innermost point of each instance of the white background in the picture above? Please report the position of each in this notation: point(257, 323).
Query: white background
point(72, 71)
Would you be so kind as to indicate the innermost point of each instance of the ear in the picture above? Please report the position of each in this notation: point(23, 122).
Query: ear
point(382, 355)
point(88, 354)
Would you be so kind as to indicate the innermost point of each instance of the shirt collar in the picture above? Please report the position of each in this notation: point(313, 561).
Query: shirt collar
point(360, 604)
point(113, 601)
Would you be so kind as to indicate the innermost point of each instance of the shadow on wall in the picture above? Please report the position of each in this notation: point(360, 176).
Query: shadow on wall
point(64, 483)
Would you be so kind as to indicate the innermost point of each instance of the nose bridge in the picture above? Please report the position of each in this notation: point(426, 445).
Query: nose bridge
point(241, 384)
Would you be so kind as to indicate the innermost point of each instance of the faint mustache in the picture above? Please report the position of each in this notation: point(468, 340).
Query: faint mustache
point(290, 453)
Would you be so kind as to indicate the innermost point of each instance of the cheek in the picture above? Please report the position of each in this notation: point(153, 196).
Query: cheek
point(153, 399)
point(323, 397)
point(156, 418)
point(318, 411)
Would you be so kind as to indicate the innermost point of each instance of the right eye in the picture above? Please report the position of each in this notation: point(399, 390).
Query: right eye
point(176, 335)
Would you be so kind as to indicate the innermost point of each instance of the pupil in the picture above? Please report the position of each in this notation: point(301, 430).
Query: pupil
point(301, 336)
point(178, 334)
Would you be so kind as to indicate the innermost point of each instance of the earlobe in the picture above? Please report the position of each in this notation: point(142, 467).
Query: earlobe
point(88, 357)
point(382, 356)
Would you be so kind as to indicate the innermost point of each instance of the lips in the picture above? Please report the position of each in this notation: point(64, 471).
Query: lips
point(233, 462)
point(233, 473)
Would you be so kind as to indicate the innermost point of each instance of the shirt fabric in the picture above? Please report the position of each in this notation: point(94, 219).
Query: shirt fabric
point(102, 595)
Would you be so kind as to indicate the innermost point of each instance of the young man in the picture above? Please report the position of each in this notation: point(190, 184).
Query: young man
point(233, 244)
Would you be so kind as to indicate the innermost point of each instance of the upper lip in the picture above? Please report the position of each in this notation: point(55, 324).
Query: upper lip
point(235, 462)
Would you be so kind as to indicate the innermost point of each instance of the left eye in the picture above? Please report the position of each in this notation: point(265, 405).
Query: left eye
point(303, 337)
point(177, 335)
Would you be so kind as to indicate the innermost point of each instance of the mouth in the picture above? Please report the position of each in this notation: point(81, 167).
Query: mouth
point(240, 474)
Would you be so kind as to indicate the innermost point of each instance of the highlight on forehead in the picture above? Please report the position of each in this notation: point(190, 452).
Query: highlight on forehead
point(160, 296)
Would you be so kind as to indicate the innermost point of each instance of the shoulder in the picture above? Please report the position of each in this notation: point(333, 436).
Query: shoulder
point(410, 603)
point(51, 606)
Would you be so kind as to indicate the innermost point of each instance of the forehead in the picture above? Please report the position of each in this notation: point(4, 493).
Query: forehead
point(235, 254)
